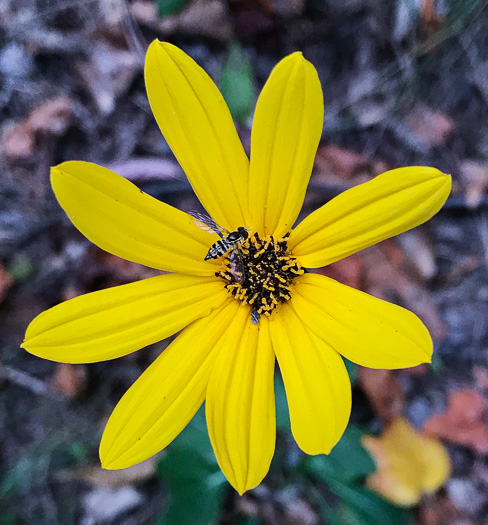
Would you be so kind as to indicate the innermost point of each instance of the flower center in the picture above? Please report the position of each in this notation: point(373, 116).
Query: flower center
point(259, 272)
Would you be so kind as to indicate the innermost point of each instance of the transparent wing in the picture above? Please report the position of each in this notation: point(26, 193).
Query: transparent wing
point(237, 265)
point(206, 223)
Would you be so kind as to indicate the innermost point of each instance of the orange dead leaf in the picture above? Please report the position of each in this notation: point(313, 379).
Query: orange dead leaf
point(50, 118)
point(409, 464)
point(463, 422)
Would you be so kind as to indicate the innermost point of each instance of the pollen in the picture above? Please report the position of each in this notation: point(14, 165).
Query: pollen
point(259, 273)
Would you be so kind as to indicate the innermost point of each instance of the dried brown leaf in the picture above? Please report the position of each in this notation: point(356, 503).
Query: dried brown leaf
point(347, 271)
point(70, 380)
point(385, 277)
point(6, 282)
point(431, 127)
point(50, 118)
point(475, 178)
point(383, 392)
point(463, 422)
point(113, 479)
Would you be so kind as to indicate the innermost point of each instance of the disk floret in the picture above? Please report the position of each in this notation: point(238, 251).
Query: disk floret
point(263, 274)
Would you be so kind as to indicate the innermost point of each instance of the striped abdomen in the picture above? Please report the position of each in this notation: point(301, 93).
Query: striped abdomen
point(219, 248)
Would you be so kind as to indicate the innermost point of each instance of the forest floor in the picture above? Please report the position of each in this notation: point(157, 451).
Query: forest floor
point(405, 83)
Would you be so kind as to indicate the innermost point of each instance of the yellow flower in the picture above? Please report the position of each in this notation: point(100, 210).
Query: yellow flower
point(222, 357)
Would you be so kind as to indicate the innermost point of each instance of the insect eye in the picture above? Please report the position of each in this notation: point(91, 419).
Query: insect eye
point(243, 232)
point(234, 236)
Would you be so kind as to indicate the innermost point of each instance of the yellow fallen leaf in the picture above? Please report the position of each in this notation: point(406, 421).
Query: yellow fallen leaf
point(408, 463)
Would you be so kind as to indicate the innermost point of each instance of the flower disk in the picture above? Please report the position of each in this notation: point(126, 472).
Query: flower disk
point(264, 274)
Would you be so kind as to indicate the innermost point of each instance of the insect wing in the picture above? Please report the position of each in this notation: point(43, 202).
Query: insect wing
point(237, 265)
point(205, 223)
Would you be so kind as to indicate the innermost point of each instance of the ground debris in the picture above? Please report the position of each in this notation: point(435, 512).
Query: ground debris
point(464, 421)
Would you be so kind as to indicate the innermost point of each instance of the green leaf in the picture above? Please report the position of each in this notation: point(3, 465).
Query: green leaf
point(171, 7)
point(237, 83)
point(348, 461)
point(282, 414)
point(363, 507)
point(21, 268)
point(352, 370)
point(196, 485)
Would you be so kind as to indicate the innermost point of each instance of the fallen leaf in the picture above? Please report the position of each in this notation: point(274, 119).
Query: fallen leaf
point(107, 74)
point(201, 17)
point(385, 276)
point(50, 118)
point(409, 464)
point(438, 509)
point(6, 281)
point(431, 127)
point(475, 178)
point(430, 19)
point(347, 271)
point(70, 380)
point(113, 479)
point(102, 505)
point(418, 253)
point(123, 270)
point(463, 422)
point(342, 162)
point(480, 374)
point(383, 392)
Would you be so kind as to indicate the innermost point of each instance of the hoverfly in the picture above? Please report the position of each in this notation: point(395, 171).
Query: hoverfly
point(228, 240)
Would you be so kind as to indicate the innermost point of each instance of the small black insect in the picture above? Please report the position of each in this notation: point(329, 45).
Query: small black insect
point(228, 241)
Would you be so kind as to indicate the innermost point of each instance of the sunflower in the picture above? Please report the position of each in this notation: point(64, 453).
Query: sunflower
point(233, 323)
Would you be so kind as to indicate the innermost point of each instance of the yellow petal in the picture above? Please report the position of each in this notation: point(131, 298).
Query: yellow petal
point(408, 464)
point(366, 330)
point(198, 127)
point(163, 400)
point(385, 206)
point(240, 403)
point(114, 322)
point(120, 218)
point(316, 382)
point(285, 135)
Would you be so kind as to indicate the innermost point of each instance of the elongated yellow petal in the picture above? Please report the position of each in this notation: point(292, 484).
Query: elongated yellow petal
point(163, 400)
point(117, 216)
point(385, 206)
point(198, 127)
point(114, 322)
point(366, 330)
point(316, 382)
point(285, 135)
point(240, 403)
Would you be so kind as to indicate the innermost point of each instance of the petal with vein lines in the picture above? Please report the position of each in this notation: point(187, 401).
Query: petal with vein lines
point(286, 132)
point(388, 205)
point(117, 321)
point(166, 396)
point(240, 403)
point(121, 219)
point(364, 329)
point(196, 123)
point(316, 382)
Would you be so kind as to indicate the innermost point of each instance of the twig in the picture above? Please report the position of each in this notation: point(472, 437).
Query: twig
point(24, 380)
